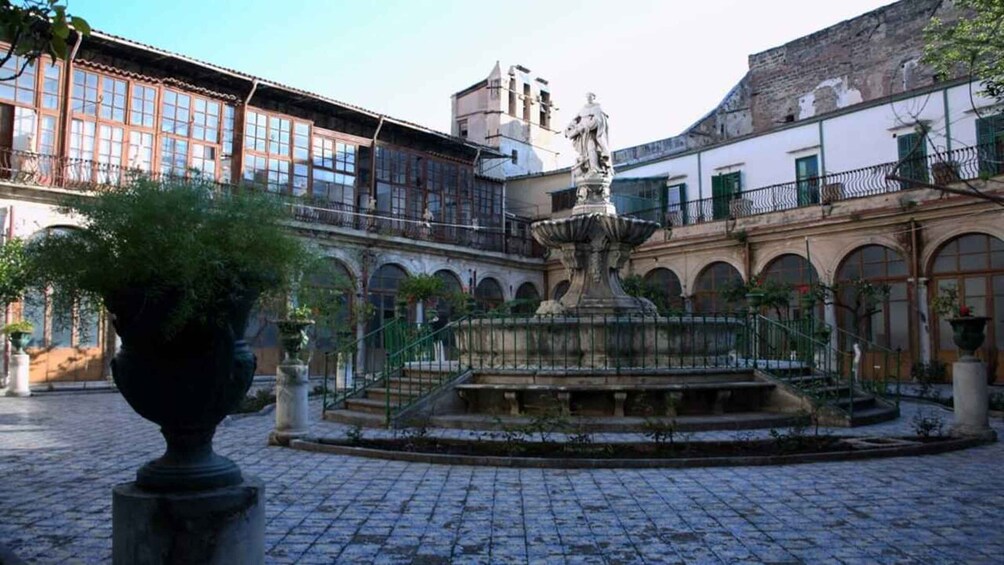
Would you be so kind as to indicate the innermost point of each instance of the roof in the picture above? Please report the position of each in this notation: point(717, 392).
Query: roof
point(262, 82)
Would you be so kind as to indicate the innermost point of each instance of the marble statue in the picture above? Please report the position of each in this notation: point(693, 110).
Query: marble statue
point(588, 132)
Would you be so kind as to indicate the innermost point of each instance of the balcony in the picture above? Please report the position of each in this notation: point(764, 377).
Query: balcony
point(76, 175)
point(967, 163)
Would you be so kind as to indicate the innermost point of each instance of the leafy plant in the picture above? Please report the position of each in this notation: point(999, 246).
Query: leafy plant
point(972, 45)
point(770, 294)
point(947, 304)
point(15, 276)
point(20, 326)
point(421, 287)
point(192, 244)
point(926, 424)
point(661, 432)
point(354, 434)
point(301, 313)
point(35, 28)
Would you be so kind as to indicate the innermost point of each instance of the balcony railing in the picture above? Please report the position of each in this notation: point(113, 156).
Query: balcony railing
point(943, 168)
point(34, 169)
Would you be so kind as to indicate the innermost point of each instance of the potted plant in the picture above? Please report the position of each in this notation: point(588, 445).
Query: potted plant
point(19, 334)
point(179, 267)
point(293, 331)
point(968, 331)
point(418, 289)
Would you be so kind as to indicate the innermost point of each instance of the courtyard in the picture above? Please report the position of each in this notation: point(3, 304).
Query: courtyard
point(61, 453)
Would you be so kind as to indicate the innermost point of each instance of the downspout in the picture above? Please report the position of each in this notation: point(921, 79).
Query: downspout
point(240, 120)
point(64, 113)
point(7, 313)
point(370, 205)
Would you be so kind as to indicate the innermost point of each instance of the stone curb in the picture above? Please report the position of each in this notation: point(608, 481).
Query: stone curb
point(318, 445)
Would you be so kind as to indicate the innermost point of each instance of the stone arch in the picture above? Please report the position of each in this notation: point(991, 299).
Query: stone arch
point(845, 250)
point(708, 284)
point(889, 327)
point(381, 292)
point(764, 259)
point(667, 287)
point(694, 273)
point(452, 284)
point(489, 294)
point(527, 297)
point(934, 246)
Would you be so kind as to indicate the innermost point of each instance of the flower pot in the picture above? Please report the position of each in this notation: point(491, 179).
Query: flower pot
point(19, 340)
point(968, 333)
point(186, 383)
point(293, 337)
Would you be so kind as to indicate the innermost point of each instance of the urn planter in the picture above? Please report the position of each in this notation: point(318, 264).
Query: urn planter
point(293, 337)
point(186, 384)
point(19, 340)
point(968, 333)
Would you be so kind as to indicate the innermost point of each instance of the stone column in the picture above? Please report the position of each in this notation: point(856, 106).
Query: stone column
point(360, 364)
point(970, 396)
point(830, 318)
point(924, 315)
point(18, 376)
point(291, 408)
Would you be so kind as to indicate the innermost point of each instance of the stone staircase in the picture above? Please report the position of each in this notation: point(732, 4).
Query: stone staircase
point(858, 409)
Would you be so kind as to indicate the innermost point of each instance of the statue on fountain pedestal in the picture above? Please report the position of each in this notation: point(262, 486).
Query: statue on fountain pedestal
point(593, 170)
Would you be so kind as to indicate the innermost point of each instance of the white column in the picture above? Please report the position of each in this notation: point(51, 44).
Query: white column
point(17, 378)
point(360, 332)
point(970, 397)
point(830, 318)
point(291, 408)
point(924, 317)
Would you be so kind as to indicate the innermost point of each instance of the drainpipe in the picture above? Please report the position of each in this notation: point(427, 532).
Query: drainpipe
point(240, 119)
point(64, 112)
point(370, 205)
point(923, 337)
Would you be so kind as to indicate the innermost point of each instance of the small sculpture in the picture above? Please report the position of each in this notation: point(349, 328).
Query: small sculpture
point(588, 132)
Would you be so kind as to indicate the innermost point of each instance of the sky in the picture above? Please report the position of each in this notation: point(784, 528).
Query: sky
point(656, 66)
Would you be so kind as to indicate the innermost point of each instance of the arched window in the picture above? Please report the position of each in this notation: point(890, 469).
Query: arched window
point(711, 282)
point(973, 264)
point(559, 290)
point(666, 290)
point(488, 294)
point(451, 288)
point(796, 273)
point(329, 292)
point(864, 269)
point(527, 299)
point(382, 293)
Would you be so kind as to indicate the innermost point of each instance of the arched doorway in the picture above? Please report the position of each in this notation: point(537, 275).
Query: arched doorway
point(452, 290)
point(974, 265)
point(382, 294)
point(665, 290)
point(559, 290)
point(488, 294)
point(329, 293)
point(794, 272)
point(527, 299)
point(710, 284)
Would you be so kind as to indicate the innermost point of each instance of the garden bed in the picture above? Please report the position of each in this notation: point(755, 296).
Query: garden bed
point(782, 449)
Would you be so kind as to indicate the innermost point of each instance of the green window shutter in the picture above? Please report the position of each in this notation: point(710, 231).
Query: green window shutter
point(807, 175)
point(719, 198)
point(913, 148)
point(683, 203)
point(990, 144)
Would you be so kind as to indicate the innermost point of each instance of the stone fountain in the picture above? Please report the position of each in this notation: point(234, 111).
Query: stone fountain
point(595, 323)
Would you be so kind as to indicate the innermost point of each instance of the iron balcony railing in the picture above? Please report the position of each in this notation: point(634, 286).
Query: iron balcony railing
point(35, 169)
point(966, 163)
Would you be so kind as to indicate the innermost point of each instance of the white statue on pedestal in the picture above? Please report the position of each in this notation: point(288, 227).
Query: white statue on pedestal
point(593, 169)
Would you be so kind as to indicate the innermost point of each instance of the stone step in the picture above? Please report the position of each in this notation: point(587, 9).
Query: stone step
point(684, 423)
point(353, 417)
point(873, 415)
point(366, 405)
point(396, 397)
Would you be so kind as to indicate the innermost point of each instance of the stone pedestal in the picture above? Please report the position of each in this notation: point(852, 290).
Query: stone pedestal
point(216, 526)
point(291, 409)
point(971, 398)
point(17, 379)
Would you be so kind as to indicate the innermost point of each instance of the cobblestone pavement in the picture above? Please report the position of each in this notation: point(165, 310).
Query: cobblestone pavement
point(60, 455)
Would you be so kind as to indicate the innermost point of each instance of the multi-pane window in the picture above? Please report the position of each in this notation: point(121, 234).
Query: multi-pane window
point(206, 120)
point(140, 151)
point(143, 110)
point(254, 169)
point(84, 99)
point(228, 130)
point(204, 160)
point(176, 113)
point(50, 87)
point(256, 132)
point(278, 174)
point(113, 99)
point(110, 140)
point(334, 171)
point(301, 158)
point(22, 88)
point(174, 156)
point(81, 150)
point(47, 135)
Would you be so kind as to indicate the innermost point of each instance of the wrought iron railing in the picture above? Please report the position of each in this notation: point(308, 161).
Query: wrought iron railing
point(78, 175)
point(966, 163)
point(879, 369)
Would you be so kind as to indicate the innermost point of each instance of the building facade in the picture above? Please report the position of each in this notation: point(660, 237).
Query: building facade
point(382, 198)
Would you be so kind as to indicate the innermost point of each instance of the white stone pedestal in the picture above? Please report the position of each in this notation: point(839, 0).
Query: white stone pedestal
point(217, 526)
point(17, 377)
point(971, 399)
point(291, 410)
